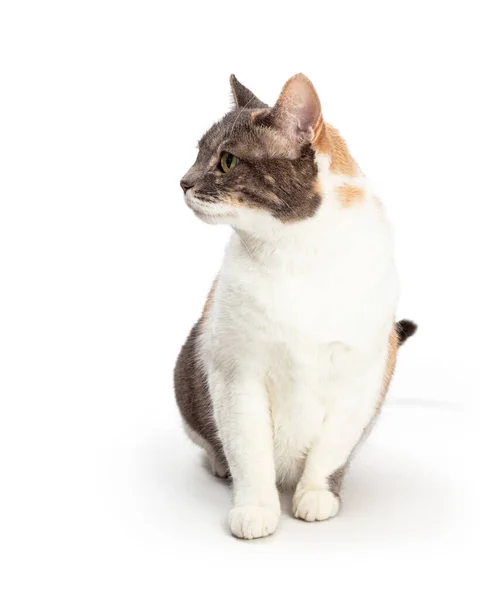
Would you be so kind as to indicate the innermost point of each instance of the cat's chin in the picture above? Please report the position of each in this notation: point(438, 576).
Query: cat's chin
point(213, 219)
point(206, 214)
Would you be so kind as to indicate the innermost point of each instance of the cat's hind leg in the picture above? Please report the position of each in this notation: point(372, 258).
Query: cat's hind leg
point(194, 401)
point(217, 464)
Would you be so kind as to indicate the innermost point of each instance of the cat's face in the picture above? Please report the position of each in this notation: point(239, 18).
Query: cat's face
point(256, 167)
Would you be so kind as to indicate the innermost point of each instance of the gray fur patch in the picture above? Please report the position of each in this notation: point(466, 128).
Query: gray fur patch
point(193, 398)
point(335, 480)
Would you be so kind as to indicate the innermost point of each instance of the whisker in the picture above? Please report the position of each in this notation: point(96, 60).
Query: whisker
point(238, 116)
point(245, 246)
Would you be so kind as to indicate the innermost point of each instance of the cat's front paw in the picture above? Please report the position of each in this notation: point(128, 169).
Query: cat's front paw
point(315, 504)
point(249, 521)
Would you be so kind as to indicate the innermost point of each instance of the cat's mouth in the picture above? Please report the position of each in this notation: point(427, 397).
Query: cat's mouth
point(207, 212)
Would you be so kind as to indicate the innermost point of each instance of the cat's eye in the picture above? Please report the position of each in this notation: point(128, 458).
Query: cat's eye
point(228, 162)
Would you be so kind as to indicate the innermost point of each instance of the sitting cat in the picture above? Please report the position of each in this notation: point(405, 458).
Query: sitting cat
point(291, 359)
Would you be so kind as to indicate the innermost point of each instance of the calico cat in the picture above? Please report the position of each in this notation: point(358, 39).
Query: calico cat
point(291, 359)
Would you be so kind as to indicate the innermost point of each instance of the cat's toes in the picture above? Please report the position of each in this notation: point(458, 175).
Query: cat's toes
point(315, 505)
point(249, 522)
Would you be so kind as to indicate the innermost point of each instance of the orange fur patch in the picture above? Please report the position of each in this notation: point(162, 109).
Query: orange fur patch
point(328, 141)
point(390, 365)
point(209, 302)
point(349, 194)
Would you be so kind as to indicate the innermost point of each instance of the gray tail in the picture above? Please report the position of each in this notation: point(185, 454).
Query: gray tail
point(405, 329)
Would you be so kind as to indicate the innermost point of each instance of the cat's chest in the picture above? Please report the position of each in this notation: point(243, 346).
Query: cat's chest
point(298, 299)
point(291, 306)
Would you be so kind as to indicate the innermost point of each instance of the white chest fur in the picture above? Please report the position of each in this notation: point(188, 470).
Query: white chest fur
point(306, 313)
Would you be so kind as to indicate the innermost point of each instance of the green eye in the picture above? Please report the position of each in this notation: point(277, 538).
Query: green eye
point(228, 162)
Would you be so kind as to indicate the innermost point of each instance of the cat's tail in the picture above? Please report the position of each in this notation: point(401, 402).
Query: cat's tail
point(405, 329)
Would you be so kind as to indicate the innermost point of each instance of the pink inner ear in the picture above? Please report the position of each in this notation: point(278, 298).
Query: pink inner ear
point(298, 108)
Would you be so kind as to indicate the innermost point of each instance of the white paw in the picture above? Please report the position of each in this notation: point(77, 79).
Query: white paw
point(251, 522)
point(315, 505)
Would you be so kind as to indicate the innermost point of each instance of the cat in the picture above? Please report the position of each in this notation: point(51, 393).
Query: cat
point(290, 362)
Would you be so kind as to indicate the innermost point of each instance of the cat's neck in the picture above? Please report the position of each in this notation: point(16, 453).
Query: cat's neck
point(292, 244)
point(347, 216)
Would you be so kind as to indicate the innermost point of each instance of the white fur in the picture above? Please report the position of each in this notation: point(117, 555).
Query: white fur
point(295, 347)
point(315, 505)
point(250, 521)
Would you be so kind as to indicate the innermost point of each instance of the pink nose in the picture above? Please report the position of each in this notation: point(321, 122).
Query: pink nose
point(185, 186)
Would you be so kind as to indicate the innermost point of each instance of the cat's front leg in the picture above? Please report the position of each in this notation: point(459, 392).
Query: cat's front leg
point(350, 412)
point(242, 415)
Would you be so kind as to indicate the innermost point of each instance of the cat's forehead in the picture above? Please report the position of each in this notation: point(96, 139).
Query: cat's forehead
point(233, 127)
point(238, 132)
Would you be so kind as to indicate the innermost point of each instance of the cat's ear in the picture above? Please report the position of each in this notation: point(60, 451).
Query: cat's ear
point(242, 96)
point(298, 111)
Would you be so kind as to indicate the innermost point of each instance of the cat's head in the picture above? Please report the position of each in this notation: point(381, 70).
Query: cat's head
point(256, 167)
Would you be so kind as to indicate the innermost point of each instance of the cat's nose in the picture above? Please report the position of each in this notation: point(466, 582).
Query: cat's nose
point(185, 185)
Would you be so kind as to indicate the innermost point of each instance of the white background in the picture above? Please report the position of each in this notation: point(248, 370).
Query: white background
point(104, 270)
